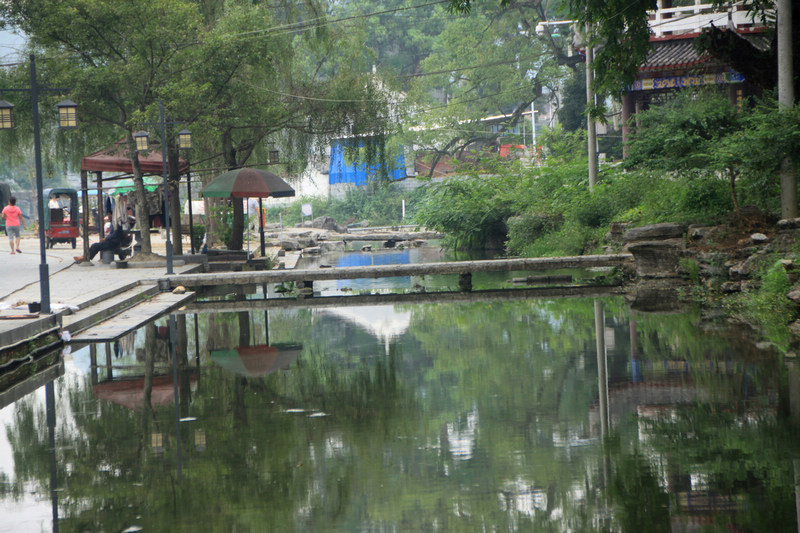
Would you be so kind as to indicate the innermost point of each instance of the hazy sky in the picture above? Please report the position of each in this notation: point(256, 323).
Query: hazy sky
point(10, 45)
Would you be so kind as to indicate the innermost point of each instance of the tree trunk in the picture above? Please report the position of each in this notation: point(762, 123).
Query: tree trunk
point(212, 222)
point(786, 100)
point(237, 231)
point(734, 198)
point(175, 216)
point(142, 209)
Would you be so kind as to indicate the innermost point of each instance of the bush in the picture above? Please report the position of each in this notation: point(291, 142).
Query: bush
point(523, 229)
point(570, 239)
point(595, 210)
point(768, 308)
point(224, 214)
point(198, 233)
point(704, 198)
point(469, 209)
point(379, 203)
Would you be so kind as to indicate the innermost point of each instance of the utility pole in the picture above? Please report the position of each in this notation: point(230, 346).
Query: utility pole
point(786, 101)
point(591, 137)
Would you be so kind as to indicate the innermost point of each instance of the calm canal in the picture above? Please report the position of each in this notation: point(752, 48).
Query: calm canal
point(494, 415)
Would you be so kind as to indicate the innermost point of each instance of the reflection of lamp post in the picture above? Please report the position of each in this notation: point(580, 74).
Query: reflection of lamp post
point(199, 440)
point(50, 407)
point(143, 143)
point(157, 442)
point(66, 120)
point(173, 348)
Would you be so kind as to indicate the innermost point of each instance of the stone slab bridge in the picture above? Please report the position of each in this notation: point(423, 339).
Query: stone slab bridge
point(465, 269)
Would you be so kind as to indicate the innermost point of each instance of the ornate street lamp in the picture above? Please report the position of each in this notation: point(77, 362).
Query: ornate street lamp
point(67, 119)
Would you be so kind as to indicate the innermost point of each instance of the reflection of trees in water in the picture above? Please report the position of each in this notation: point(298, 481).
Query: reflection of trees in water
point(716, 463)
point(479, 415)
point(156, 344)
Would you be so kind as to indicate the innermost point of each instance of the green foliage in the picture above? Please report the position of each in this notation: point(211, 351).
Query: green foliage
point(692, 269)
point(198, 233)
point(224, 213)
point(571, 115)
point(469, 209)
point(561, 145)
point(768, 307)
point(714, 149)
point(528, 226)
point(683, 133)
point(570, 239)
point(379, 203)
point(480, 66)
point(595, 210)
point(775, 281)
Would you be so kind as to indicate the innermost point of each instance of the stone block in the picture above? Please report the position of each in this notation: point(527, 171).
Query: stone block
point(653, 232)
point(657, 259)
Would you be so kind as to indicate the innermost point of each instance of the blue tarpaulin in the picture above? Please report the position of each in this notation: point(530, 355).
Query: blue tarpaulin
point(357, 172)
point(401, 257)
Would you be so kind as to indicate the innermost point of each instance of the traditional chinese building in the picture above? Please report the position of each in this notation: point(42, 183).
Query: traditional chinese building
point(675, 61)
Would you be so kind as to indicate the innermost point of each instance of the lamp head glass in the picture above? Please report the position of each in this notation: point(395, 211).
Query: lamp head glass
point(184, 139)
point(142, 139)
point(67, 114)
point(6, 115)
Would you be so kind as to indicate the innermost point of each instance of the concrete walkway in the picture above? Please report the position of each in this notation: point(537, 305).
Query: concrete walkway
point(72, 286)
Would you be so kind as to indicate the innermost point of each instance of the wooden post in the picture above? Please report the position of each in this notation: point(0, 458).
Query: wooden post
point(465, 282)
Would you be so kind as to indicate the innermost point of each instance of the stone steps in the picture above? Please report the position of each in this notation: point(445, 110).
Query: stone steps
point(117, 325)
point(95, 312)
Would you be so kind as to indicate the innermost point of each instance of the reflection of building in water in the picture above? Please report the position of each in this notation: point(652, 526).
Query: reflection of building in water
point(461, 436)
point(129, 392)
point(385, 322)
point(657, 392)
point(521, 496)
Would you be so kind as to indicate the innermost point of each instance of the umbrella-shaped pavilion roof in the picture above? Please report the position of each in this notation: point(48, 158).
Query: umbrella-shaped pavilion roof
point(247, 183)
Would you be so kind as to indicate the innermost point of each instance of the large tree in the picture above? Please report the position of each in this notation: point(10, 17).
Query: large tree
point(292, 82)
point(244, 76)
point(117, 58)
point(492, 63)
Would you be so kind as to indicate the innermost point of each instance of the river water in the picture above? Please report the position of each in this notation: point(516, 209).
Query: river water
point(492, 414)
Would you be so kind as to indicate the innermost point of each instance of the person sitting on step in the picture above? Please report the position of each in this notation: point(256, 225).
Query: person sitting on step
point(114, 240)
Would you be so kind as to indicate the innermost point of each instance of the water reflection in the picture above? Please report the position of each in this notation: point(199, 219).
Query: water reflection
point(520, 415)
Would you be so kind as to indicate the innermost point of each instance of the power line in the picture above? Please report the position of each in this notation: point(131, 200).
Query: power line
point(319, 22)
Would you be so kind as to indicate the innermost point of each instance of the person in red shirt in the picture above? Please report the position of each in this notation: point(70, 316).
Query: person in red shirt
point(13, 217)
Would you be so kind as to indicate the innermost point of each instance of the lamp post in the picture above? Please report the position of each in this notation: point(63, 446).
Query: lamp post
point(67, 119)
point(185, 142)
point(143, 143)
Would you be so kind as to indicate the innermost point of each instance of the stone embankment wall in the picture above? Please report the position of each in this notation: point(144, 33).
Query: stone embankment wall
point(727, 257)
point(727, 254)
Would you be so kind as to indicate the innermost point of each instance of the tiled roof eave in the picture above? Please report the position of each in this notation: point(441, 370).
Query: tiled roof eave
point(673, 66)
